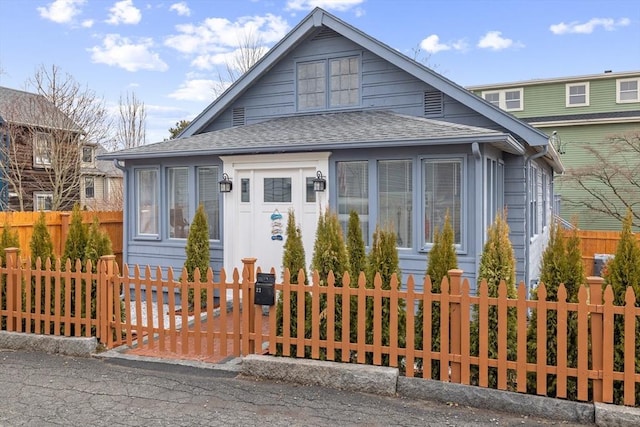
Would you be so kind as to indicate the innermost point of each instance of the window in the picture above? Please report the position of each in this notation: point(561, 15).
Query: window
point(508, 100)
point(533, 201)
point(577, 94)
point(442, 195)
point(342, 86)
point(146, 185)
point(628, 90)
point(277, 190)
point(309, 191)
point(87, 154)
point(353, 194)
point(89, 191)
point(209, 197)
point(395, 195)
point(177, 202)
point(494, 190)
point(42, 149)
point(545, 192)
point(42, 201)
point(245, 190)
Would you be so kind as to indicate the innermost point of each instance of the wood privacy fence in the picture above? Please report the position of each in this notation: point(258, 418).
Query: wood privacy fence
point(596, 242)
point(126, 308)
point(58, 226)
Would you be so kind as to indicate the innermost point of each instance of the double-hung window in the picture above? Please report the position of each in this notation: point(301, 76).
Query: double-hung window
point(494, 190)
point(577, 94)
point(209, 197)
point(146, 184)
point(178, 201)
point(42, 142)
point(328, 83)
point(443, 188)
point(353, 194)
point(42, 201)
point(395, 195)
point(508, 99)
point(89, 187)
point(628, 90)
point(533, 201)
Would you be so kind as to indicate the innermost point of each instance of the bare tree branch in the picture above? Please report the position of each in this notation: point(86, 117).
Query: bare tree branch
point(131, 130)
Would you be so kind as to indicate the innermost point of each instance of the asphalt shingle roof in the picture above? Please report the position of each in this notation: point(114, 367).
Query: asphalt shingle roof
point(30, 109)
point(318, 131)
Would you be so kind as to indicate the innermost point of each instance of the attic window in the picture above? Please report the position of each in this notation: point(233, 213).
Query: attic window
point(238, 117)
point(433, 103)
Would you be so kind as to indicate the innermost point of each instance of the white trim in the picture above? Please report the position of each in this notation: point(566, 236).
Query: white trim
point(627, 101)
point(612, 120)
point(41, 194)
point(555, 80)
point(502, 98)
point(568, 95)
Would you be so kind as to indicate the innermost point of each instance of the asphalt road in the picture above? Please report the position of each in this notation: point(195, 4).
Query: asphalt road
point(39, 389)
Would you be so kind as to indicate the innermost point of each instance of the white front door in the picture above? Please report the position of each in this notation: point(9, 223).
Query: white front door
point(265, 192)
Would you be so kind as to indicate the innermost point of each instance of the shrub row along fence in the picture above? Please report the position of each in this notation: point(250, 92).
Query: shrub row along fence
point(58, 227)
point(124, 308)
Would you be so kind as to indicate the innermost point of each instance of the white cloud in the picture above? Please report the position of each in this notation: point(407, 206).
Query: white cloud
point(493, 40)
point(432, 45)
point(87, 23)
point(181, 8)
point(124, 12)
point(588, 27)
point(219, 35)
point(61, 11)
point(122, 52)
point(340, 5)
point(195, 90)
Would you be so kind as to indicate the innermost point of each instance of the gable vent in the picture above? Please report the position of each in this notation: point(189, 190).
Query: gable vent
point(433, 103)
point(237, 116)
point(325, 33)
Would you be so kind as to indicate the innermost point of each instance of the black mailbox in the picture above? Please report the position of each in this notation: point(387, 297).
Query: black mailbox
point(265, 289)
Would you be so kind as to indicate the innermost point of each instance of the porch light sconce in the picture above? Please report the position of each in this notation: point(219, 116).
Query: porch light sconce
point(225, 184)
point(319, 183)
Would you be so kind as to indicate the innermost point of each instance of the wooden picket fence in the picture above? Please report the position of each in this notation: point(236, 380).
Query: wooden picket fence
point(118, 308)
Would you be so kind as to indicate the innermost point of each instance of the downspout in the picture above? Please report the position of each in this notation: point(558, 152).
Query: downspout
point(125, 222)
point(475, 149)
point(527, 239)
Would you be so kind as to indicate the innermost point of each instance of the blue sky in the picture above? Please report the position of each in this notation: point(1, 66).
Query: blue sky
point(169, 53)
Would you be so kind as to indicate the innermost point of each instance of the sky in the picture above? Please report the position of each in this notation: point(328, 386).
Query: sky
point(172, 54)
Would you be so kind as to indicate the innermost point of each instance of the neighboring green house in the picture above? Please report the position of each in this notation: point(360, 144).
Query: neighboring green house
point(577, 112)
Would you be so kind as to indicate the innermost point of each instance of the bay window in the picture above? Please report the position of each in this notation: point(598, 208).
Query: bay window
point(353, 194)
point(442, 196)
point(395, 195)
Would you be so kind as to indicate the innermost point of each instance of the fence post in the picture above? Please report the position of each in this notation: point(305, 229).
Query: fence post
point(105, 310)
point(248, 312)
point(64, 231)
point(455, 325)
point(12, 289)
point(597, 342)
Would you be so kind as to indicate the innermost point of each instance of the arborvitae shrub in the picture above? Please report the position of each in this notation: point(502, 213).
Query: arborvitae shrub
point(98, 244)
point(293, 259)
point(197, 251)
point(383, 260)
point(358, 262)
point(76, 243)
point(442, 258)
point(8, 239)
point(330, 254)
point(41, 244)
point(561, 264)
point(497, 264)
point(623, 271)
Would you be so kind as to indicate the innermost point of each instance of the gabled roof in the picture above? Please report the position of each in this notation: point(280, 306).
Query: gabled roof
point(30, 109)
point(361, 129)
point(318, 18)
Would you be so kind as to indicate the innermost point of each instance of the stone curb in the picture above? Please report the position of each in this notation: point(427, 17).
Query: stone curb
point(69, 346)
point(616, 415)
point(344, 376)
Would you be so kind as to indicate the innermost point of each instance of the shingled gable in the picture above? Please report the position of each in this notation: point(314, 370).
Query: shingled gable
point(317, 18)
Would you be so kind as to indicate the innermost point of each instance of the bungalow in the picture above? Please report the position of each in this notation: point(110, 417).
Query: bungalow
point(333, 119)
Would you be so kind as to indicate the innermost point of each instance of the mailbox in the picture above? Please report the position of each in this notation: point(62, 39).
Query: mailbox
point(265, 289)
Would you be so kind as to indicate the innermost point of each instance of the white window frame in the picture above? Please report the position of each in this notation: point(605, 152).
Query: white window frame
point(86, 147)
point(534, 203)
point(400, 216)
point(569, 96)
point(502, 98)
point(462, 188)
point(494, 189)
point(619, 91)
point(154, 218)
point(37, 197)
point(42, 154)
point(326, 63)
point(93, 187)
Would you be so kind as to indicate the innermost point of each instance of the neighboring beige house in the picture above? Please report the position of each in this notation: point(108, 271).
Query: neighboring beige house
point(101, 181)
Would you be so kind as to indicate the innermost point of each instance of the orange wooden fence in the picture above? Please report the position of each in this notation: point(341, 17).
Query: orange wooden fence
point(596, 242)
point(58, 226)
